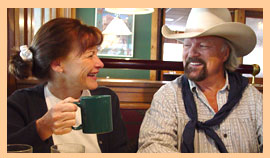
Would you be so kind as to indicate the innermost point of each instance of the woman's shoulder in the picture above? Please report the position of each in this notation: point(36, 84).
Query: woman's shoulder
point(27, 99)
point(23, 93)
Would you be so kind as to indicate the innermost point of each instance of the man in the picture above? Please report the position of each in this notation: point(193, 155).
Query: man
point(210, 108)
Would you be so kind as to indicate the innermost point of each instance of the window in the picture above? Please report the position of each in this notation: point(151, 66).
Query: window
point(256, 56)
point(175, 19)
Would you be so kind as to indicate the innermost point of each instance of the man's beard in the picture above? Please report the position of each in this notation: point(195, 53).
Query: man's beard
point(203, 73)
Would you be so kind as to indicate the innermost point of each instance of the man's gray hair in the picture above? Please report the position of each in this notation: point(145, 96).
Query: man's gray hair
point(232, 62)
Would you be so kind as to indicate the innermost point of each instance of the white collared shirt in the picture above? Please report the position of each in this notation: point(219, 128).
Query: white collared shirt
point(164, 122)
point(75, 136)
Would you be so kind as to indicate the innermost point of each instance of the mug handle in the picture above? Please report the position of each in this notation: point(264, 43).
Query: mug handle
point(80, 126)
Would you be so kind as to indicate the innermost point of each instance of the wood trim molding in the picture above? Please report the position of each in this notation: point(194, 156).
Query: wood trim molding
point(154, 38)
point(73, 13)
point(249, 9)
point(239, 16)
point(11, 81)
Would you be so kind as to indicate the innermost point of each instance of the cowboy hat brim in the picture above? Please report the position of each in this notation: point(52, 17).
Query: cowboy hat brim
point(241, 36)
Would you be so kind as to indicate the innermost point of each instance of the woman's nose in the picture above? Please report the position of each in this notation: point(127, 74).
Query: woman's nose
point(99, 63)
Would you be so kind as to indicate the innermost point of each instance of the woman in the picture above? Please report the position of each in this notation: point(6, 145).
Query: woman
point(64, 54)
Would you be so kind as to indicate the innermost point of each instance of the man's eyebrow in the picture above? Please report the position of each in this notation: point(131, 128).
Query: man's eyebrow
point(206, 40)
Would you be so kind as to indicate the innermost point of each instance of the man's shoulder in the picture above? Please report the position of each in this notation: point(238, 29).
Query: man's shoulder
point(171, 87)
point(252, 90)
point(176, 83)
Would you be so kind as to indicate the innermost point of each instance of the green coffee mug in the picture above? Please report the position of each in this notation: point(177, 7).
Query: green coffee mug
point(96, 113)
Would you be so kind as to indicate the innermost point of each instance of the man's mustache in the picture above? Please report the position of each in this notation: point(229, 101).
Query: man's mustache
point(197, 60)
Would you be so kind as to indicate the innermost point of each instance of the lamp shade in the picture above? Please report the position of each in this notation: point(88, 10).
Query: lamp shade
point(117, 27)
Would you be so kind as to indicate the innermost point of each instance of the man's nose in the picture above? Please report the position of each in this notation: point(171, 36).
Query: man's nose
point(193, 52)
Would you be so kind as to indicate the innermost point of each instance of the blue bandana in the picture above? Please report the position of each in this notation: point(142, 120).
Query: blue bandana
point(237, 87)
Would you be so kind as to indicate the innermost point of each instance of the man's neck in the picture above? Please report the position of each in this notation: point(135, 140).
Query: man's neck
point(213, 83)
point(210, 86)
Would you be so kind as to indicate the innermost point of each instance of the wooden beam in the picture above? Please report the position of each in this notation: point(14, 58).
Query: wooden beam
point(239, 16)
point(73, 13)
point(253, 9)
point(154, 35)
point(158, 65)
point(11, 81)
point(253, 14)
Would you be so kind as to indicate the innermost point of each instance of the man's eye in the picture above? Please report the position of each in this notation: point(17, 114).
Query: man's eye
point(204, 46)
point(186, 45)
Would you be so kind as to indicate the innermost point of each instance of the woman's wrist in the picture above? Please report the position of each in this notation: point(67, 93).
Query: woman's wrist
point(43, 131)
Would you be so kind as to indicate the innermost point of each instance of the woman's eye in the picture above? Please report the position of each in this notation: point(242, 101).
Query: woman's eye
point(90, 55)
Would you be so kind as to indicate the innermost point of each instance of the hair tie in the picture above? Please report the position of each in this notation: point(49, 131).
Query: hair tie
point(25, 53)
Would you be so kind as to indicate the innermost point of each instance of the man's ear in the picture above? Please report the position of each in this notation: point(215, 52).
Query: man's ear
point(226, 54)
point(56, 66)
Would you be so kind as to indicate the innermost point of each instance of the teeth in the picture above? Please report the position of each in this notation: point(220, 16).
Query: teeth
point(195, 63)
point(92, 75)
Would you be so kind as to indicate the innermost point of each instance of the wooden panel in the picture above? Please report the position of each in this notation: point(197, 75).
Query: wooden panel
point(133, 94)
point(134, 89)
point(132, 120)
point(142, 106)
point(130, 83)
point(135, 97)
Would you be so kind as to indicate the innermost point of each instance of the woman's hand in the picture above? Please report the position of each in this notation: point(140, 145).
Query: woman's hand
point(58, 120)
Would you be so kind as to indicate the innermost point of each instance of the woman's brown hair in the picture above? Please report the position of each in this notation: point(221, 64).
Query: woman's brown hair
point(55, 39)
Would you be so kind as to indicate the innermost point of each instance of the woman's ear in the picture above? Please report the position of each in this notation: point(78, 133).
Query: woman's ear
point(56, 66)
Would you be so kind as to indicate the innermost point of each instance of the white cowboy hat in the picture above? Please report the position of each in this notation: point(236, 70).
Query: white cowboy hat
point(216, 22)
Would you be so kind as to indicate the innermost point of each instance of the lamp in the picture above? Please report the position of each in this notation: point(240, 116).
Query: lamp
point(117, 27)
